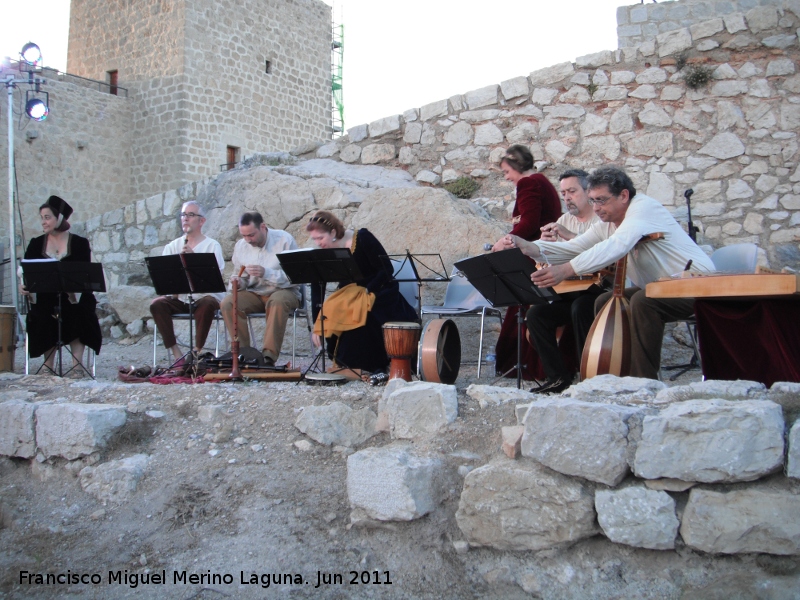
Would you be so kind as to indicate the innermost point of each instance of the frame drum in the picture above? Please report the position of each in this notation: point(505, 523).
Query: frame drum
point(440, 352)
point(400, 339)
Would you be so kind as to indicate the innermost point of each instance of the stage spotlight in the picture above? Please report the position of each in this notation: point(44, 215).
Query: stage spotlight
point(36, 109)
point(31, 54)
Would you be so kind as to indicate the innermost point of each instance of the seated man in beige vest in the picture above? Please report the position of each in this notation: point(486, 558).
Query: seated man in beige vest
point(263, 286)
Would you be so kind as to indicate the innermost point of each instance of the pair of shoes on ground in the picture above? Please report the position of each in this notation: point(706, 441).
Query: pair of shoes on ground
point(554, 386)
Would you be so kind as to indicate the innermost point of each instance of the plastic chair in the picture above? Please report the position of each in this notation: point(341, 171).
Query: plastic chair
point(461, 299)
point(409, 289)
point(91, 352)
point(185, 317)
point(300, 311)
point(736, 258)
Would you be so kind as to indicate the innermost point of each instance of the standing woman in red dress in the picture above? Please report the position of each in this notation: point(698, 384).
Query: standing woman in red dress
point(537, 205)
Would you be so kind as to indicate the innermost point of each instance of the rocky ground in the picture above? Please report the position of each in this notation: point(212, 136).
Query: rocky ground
point(245, 494)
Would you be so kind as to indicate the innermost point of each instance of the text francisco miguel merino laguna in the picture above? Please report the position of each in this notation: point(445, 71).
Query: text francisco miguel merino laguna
point(134, 580)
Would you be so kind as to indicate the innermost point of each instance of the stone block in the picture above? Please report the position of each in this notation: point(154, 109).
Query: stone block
point(337, 424)
point(476, 116)
point(350, 153)
point(723, 146)
point(793, 456)
point(734, 23)
point(583, 439)
point(420, 409)
point(433, 110)
point(706, 29)
point(762, 18)
point(17, 429)
point(512, 440)
point(651, 144)
point(426, 176)
point(384, 126)
point(488, 134)
point(521, 505)
point(557, 151)
point(73, 430)
point(130, 302)
point(636, 516)
point(551, 75)
point(412, 133)
point(780, 66)
point(115, 480)
point(375, 153)
point(391, 483)
point(514, 88)
point(673, 42)
point(357, 133)
point(460, 134)
point(652, 75)
point(485, 96)
point(597, 59)
point(618, 390)
point(492, 395)
point(711, 441)
point(743, 520)
point(725, 390)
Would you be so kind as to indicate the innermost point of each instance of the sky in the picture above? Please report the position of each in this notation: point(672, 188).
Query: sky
point(404, 54)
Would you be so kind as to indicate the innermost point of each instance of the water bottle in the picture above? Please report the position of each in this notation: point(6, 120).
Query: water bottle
point(491, 357)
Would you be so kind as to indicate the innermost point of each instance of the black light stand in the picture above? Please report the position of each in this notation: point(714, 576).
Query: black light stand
point(504, 279)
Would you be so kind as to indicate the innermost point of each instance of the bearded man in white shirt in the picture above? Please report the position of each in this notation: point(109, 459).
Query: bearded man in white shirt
point(576, 308)
point(625, 217)
point(205, 306)
point(263, 286)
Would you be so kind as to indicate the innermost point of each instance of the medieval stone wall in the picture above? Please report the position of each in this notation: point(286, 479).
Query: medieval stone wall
point(81, 152)
point(732, 139)
point(644, 21)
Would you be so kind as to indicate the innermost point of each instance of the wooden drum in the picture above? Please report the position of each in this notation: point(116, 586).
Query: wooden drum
point(400, 339)
point(440, 352)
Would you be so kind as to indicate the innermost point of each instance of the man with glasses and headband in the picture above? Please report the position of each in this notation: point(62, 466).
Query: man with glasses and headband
point(205, 305)
point(625, 217)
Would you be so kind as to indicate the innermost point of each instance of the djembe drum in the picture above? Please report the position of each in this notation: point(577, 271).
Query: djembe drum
point(400, 339)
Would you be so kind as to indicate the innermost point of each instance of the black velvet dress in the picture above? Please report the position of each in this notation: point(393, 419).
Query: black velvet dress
point(363, 348)
point(79, 320)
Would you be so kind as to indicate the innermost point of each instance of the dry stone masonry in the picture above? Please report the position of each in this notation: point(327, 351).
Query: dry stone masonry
point(633, 462)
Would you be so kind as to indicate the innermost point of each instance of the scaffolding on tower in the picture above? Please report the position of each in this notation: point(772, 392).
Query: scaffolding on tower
point(337, 99)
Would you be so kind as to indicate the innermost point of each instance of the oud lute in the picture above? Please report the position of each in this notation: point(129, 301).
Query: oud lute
point(608, 346)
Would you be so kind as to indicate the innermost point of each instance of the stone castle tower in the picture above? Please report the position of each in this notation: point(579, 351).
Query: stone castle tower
point(210, 82)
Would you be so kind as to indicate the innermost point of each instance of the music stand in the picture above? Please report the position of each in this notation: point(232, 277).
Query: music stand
point(56, 277)
point(423, 273)
point(504, 279)
point(186, 273)
point(319, 266)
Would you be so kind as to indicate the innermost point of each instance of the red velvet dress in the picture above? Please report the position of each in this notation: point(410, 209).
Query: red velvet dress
point(537, 205)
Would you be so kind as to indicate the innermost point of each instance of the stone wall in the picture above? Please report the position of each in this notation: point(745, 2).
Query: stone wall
point(646, 466)
point(644, 21)
point(732, 140)
point(197, 73)
point(81, 152)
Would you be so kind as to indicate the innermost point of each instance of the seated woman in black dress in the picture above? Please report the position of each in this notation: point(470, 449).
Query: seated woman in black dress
point(79, 327)
point(361, 350)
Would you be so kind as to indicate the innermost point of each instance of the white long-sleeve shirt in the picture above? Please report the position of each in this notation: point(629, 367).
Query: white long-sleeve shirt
point(208, 245)
point(603, 244)
point(274, 278)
